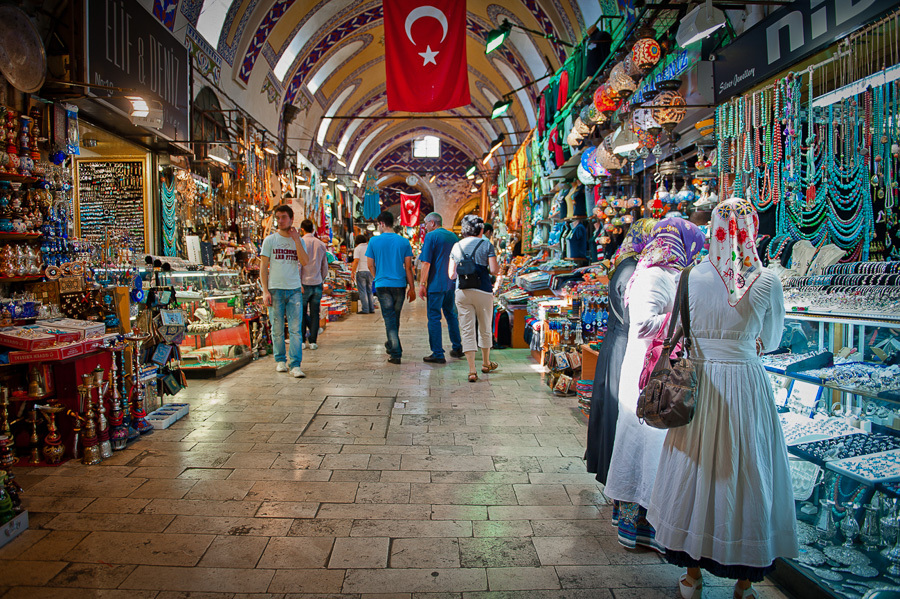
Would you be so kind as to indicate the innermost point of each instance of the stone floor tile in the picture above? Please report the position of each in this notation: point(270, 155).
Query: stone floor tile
point(320, 527)
point(459, 512)
point(223, 490)
point(92, 576)
point(580, 512)
point(541, 494)
point(569, 551)
point(303, 491)
point(202, 507)
point(296, 552)
point(220, 525)
point(111, 522)
point(166, 488)
point(282, 472)
point(139, 548)
point(29, 573)
point(370, 552)
point(234, 580)
point(462, 494)
point(360, 476)
point(404, 476)
point(497, 552)
point(502, 528)
point(643, 576)
point(425, 553)
point(447, 463)
point(315, 583)
point(522, 579)
point(227, 551)
point(376, 511)
point(415, 580)
point(411, 528)
point(287, 509)
point(383, 493)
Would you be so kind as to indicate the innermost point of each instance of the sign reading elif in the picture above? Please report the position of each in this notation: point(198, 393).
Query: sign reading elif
point(787, 36)
point(128, 48)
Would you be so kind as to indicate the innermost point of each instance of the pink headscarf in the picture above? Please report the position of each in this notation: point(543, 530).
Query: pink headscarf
point(732, 246)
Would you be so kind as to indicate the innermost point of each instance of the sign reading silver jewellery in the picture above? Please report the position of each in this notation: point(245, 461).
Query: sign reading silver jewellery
point(787, 36)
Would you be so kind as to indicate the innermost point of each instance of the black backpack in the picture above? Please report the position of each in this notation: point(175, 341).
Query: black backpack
point(467, 271)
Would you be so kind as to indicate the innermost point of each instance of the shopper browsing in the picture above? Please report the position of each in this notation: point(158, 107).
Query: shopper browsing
point(282, 255)
point(437, 289)
point(313, 274)
point(389, 258)
point(722, 498)
point(472, 262)
point(359, 272)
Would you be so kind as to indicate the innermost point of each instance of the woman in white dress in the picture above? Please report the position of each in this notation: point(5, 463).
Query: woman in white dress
point(722, 499)
point(674, 244)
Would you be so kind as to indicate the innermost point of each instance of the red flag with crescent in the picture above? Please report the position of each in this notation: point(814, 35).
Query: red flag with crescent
point(425, 54)
point(409, 209)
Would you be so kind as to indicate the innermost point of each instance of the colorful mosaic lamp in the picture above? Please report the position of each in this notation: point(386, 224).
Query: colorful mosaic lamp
point(646, 53)
point(668, 111)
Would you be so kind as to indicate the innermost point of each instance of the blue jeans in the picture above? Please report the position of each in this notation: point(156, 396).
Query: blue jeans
point(312, 300)
point(364, 286)
point(391, 300)
point(286, 302)
point(443, 301)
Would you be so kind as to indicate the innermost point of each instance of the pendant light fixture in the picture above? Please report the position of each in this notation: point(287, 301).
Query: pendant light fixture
point(646, 52)
point(621, 82)
point(668, 111)
point(643, 120)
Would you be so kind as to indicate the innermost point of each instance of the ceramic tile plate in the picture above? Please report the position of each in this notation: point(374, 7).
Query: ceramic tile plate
point(874, 468)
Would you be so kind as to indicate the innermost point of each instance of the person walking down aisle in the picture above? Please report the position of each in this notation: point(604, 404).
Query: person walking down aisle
point(389, 258)
point(674, 243)
point(282, 255)
point(437, 289)
point(359, 271)
point(605, 394)
point(472, 262)
point(722, 499)
point(312, 274)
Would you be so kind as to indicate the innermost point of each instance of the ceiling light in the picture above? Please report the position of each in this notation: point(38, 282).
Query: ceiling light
point(331, 150)
point(370, 227)
point(624, 141)
point(512, 181)
point(497, 143)
point(479, 180)
point(140, 107)
point(470, 172)
point(433, 177)
point(218, 153)
point(342, 162)
point(474, 189)
point(218, 159)
point(341, 186)
point(323, 183)
point(699, 24)
point(331, 177)
point(496, 37)
point(500, 108)
point(486, 157)
point(303, 186)
point(270, 150)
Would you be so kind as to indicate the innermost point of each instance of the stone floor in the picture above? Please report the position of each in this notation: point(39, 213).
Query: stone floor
point(365, 479)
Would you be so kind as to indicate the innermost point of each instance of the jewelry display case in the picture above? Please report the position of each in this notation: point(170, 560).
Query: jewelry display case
point(219, 328)
point(836, 379)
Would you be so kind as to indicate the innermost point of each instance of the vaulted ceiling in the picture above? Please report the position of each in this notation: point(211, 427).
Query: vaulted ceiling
point(326, 57)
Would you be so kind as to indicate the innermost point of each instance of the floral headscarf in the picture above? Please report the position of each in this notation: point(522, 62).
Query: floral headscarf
point(635, 241)
point(674, 243)
point(732, 247)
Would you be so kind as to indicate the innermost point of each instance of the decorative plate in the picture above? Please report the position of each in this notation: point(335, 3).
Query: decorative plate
point(811, 556)
point(847, 556)
point(862, 571)
point(825, 574)
point(806, 533)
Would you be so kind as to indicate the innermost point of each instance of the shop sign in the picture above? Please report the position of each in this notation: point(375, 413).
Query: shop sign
point(787, 36)
point(675, 66)
point(129, 49)
point(206, 60)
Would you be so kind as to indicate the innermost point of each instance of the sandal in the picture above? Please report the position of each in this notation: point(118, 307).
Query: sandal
point(690, 588)
point(489, 367)
point(473, 377)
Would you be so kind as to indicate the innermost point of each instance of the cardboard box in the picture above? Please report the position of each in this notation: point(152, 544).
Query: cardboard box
point(58, 352)
point(86, 328)
point(16, 337)
point(62, 335)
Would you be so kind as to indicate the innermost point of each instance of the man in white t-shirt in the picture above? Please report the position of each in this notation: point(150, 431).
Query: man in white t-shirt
point(360, 273)
point(282, 254)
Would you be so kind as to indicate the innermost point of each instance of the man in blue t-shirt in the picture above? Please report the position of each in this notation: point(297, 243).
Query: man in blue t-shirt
point(437, 289)
point(389, 257)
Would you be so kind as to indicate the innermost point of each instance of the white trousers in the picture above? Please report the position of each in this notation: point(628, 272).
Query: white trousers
point(472, 304)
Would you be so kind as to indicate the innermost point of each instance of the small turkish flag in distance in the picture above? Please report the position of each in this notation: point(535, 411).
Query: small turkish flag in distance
point(425, 54)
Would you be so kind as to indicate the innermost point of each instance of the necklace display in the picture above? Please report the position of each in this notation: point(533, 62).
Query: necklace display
point(169, 217)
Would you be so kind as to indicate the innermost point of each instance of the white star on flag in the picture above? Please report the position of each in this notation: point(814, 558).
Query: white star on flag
point(428, 56)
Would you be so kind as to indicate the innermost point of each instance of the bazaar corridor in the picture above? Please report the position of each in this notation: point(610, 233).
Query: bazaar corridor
point(364, 479)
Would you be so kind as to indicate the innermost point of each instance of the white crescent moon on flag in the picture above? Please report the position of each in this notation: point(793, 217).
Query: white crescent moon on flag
point(421, 12)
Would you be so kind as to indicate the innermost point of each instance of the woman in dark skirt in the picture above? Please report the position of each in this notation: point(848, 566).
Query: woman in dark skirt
point(605, 394)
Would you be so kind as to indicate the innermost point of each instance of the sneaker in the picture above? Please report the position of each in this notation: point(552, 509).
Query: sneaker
point(313, 346)
point(394, 360)
point(457, 353)
point(297, 373)
point(305, 345)
point(432, 359)
point(281, 367)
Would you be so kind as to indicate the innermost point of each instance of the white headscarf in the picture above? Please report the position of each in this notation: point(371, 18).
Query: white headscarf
point(732, 246)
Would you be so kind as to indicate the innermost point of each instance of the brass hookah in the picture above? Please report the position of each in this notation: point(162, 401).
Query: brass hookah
point(53, 448)
point(119, 431)
point(102, 387)
point(89, 442)
point(7, 446)
point(34, 440)
point(138, 407)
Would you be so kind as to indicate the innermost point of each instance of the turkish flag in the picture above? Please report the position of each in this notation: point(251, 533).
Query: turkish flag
point(425, 54)
point(409, 209)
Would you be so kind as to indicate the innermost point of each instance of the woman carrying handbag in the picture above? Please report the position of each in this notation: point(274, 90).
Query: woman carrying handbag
point(722, 500)
point(649, 296)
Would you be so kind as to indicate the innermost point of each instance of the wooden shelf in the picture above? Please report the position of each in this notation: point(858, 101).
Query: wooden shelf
point(18, 178)
point(21, 279)
point(20, 236)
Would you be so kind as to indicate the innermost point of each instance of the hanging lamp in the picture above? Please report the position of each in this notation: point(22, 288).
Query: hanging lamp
point(668, 111)
point(621, 82)
point(646, 53)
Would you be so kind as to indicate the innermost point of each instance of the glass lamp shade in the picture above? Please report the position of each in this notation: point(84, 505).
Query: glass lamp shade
point(621, 82)
point(587, 156)
point(646, 53)
point(589, 115)
point(608, 159)
point(643, 120)
point(605, 99)
point(584, 176)
point(646, 140)
point(593, 166)
point(631, 68)
point(669, 112)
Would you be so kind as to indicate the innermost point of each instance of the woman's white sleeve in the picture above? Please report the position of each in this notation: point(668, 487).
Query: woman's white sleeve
point(651, 299)
point(773, 320)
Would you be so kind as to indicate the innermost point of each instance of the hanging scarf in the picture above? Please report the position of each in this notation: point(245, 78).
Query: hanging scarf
point(674, 243)
point(732, 248)
point(635, 241)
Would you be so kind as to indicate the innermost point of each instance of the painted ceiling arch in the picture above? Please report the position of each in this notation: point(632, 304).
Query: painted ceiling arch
point(327, 57)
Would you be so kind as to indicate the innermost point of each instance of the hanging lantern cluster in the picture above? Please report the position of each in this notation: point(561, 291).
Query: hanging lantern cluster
point(621, 82)
point(646, 54)
point(606, 99)
point(644, 121)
